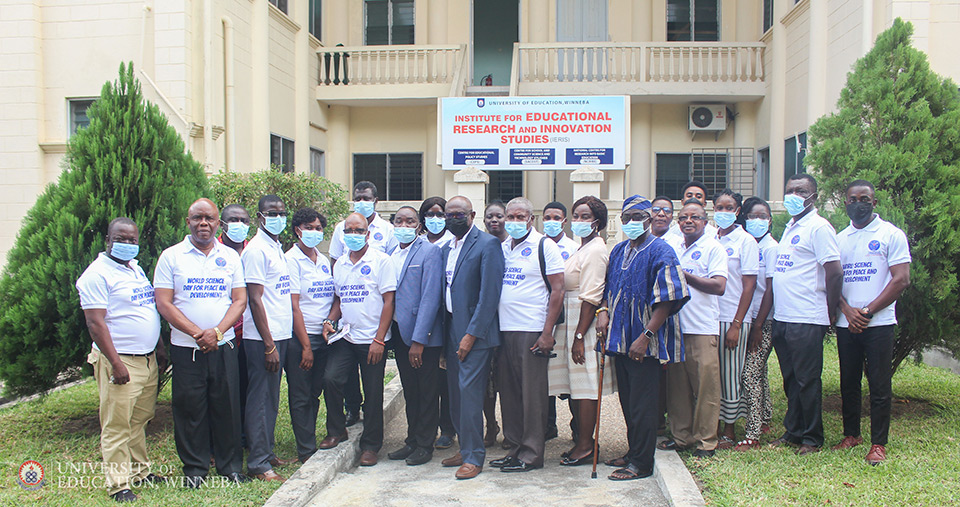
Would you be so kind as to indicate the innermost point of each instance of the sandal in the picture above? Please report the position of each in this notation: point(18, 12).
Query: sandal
point(669, 445)
point(747, 444)
point(629, 473)
point(616, 462)
point(726, 442)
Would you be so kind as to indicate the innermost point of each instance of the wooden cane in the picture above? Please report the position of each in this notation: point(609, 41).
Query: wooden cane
point(596, 434)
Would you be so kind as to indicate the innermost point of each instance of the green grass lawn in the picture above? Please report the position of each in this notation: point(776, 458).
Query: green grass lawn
point(63, 430)
point(923, 453)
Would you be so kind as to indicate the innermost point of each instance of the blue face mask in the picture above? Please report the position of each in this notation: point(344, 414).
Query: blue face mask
point(237, 231)
point(311, 238)
point(365, 208)
point(757, 227)
point(794, 204)
point(124, 251)
point(436, 225)
point(274, 225)
point(405, 234)
point(724, 219)
point(634, 229)
point(516, 230)
point(355, 242)
point(581, 229)
point(553, 228)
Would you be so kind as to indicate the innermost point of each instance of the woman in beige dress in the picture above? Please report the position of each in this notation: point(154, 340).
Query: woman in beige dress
point(576, 369)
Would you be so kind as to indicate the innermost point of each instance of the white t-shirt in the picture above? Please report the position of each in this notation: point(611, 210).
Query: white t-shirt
point(768, 256)
point(381, 238)
point(743, 258)
point(866, 256)
point(674, 235)
point(799, 280)
point(314, 283)
point(567, 246)
point(127, 296)
point(265, 264)
point(443, 240)
point(704, 258)
point(524, 297)
point(361, 287)
point(455, 247)
point(202, 285)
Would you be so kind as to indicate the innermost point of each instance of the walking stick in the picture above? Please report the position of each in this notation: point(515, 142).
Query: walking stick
point(596, 435)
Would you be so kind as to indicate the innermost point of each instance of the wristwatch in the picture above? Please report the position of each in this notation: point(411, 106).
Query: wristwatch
point(219, 333)
point(579, 336)
point(866, 310)
point(649, 334)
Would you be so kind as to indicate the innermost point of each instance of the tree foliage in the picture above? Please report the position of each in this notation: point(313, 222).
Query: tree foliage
point(128, 162)
point(298, 190)
point(898, 126)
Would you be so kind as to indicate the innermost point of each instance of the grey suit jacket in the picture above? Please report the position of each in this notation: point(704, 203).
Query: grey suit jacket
point(419, 296)
point(475, 290)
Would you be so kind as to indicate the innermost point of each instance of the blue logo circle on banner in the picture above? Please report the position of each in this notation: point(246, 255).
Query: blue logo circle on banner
point(874, 245)
point(794, 240)
point(526, 252)
point(365, 270)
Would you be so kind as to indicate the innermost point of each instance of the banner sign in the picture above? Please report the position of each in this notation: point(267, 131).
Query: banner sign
point(534, 133)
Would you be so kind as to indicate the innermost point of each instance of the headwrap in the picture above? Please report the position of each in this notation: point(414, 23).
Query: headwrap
point(636, 202)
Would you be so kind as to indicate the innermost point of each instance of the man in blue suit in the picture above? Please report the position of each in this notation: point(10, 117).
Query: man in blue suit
point(473, 276)
point(419, 325)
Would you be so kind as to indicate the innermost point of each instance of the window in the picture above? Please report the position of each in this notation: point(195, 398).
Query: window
point(281, 153)
point(767, 14)
point(763, 173)
point(711, 169)
point(673, 172)
point(389, 22)
point(315, 17)
point(398, 176)
point(316, 162)
point(77, 111)
point(794, 150)
point(693, 20)
point(504, 185)
point(280, 4)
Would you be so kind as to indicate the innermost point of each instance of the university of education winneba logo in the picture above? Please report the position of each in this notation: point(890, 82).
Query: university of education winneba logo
point(378, 236)
point(481, 103)
point(874, 245)
point(695, 255)
point(526, 252)
point(365, 270)
point(794, 240)
point(30, 475)
point(221, 262)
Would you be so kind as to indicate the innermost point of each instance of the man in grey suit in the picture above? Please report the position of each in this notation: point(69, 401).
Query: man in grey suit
point(473, 276)
point(418, 334)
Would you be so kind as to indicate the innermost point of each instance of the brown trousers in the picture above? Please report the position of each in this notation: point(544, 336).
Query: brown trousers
point(693, 393)
point(524, 395)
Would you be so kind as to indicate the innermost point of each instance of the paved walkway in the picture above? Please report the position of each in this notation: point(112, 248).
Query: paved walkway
point(393, 483)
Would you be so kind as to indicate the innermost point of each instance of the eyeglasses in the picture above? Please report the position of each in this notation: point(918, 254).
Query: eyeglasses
point(692, 218)
point(656, 210)
point(638, 217)
point(455, 216)
point(274, 214)
point(354, 231)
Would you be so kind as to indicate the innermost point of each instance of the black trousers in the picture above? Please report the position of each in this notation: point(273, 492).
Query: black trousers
point(206, 405)
point(242, 369)
point(800, 352)
point(873, 346)
point(343, 357)
point(352, 397)
point(421, 391)
point(304, 388)
point(446, 422)
point(638, 383)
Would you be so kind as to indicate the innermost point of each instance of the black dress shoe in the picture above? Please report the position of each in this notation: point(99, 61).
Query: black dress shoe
point(574, 462)
point(504, 461)
point(551, 433)
point(519, 466)
point(124, 495)
point(238, 478)
point(154, 479)
point(352, 417)
point(401, 453)
point(419, 457)
point(703, 453)
point(444, 442)
point(193, 481)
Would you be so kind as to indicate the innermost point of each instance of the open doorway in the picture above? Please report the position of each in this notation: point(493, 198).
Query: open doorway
point(496, 26)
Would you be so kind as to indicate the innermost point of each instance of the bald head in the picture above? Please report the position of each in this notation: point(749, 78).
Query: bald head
point(355, 223)
point(203, 220)
point(203, 203)
point(461, 203)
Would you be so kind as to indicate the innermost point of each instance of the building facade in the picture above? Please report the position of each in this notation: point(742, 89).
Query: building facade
point(349, 88)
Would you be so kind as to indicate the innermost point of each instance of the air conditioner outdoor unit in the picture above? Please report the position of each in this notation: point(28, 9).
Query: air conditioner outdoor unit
point(711, 117)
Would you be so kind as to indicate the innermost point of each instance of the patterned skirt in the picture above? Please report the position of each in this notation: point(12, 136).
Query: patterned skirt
point(580, 381)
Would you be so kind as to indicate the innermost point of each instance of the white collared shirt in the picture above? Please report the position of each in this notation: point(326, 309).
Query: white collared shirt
point(313, 281)
point(567, 246)
point(381, 238)
point(524, 297)
point(399, 256)
point(866, 256)
point(442, 241)
point(704, 258)
point(265, 264)
point(127, 296)
point(360, 288)
point(768, 256)
point(202, 285)
point(799, 280)
point(743, 258)
point(456, 245)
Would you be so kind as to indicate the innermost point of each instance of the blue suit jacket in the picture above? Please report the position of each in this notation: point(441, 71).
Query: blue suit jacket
point(420, 295)
point(475, 290)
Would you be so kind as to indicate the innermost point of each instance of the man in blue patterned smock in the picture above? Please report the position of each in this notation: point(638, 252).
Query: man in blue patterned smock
point(643, 274)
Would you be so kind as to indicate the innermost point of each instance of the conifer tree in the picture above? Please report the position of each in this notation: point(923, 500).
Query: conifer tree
point(128, 162)
point(898, 126)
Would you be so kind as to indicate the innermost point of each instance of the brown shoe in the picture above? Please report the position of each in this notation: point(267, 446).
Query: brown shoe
point(331, 442)
point(368, 459)
point(877, 455)
point(277, 462)
point(468, 471)
point(807, 449)
point(782, 442)
point(269, 475)
point(453, 461)
point(847, 443)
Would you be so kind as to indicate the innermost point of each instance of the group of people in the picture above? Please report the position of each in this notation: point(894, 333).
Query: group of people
point(680, 318)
